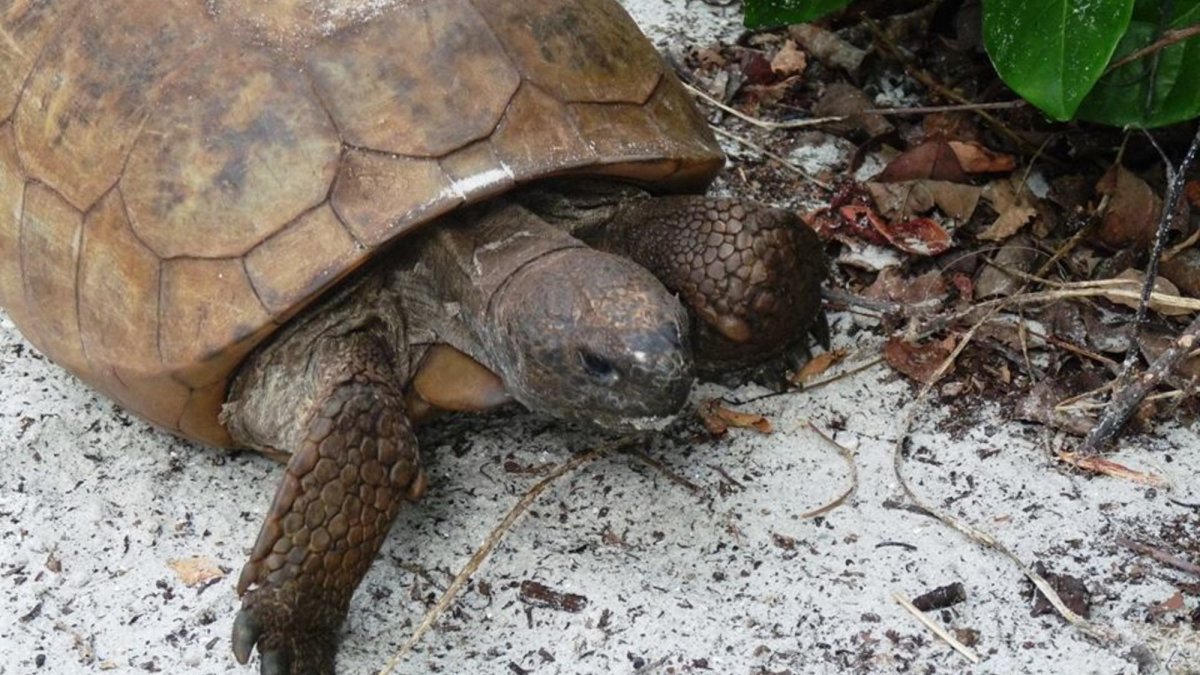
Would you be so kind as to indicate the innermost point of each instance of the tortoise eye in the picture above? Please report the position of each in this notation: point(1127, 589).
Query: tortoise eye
point(597, 366)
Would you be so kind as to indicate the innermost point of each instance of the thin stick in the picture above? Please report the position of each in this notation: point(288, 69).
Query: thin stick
point(493, 539)
point(653, 463)
point(758, 121)
point(1161, 556)
point(787, 164)
point(968, 653)
point(1168, 38)
point(848, 455)
point(960, 107)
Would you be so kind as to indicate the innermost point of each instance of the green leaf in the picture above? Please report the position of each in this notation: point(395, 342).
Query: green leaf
point(1158, 89)
point(1051, 52)
point(760, 13)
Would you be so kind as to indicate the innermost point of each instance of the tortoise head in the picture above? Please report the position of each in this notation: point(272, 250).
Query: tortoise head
point(592, 337)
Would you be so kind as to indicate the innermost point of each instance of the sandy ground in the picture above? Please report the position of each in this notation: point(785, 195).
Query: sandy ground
point(715, 573)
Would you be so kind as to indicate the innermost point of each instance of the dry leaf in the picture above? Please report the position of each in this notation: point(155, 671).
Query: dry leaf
point(718, 419)
point(789, 60)
point(920, 362)
point(196, 570)
point(1171, 604)
point(841, 99)
point(1191, 190)
point(1106, 467)
point(903, 200)
point(817, 366)
point(974, 158)
point(1008, 223)
point(919, 236)
point(1133, 210)
point(932, 159)
point(893, 286)
point(955, 200)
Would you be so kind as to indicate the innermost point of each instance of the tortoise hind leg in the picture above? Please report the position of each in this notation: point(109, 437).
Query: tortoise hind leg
point(750, 274)
point(354, 468)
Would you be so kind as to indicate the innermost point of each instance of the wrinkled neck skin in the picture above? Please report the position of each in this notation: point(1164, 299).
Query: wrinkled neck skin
point(573, 332)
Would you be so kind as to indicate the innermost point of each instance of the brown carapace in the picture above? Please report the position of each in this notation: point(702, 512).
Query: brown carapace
point(180, 177)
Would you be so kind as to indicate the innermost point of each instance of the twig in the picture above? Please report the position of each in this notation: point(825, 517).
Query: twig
point(639, 454)
point(905, 310)
point(1168, 38)
point(968, 653)
point(758, 121)
point(935, 109)
point(1130, 395)
point(493, 539)
point(787, 164)
point(848, 455)
point(1160, 555)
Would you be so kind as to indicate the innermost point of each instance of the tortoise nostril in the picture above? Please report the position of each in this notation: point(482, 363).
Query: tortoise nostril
point(597, 366)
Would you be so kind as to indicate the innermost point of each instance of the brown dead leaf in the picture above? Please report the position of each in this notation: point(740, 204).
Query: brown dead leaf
point(1133, 210)
point(858, 220)
point(956, 200)
point(1018, 254)
point(845, 100)
point(718, 419)
point(1191, 191)
point(919, 362)
point(897, 201)
point(1183, 270)
point(196, 570)
point(1013, 202)
point(789, 60)
point(817, 365)
point(1106, 467)
point(975, 158)
point(893, 286)
point(933, 159)
point(1171, 604)
point(903, 200)
point(919, 236)
point(1008, 223)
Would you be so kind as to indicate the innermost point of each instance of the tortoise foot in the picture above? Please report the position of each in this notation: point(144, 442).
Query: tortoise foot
point(750, 274)
point(291, 640)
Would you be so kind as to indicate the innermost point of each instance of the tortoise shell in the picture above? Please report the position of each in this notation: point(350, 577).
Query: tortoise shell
point(179, 177)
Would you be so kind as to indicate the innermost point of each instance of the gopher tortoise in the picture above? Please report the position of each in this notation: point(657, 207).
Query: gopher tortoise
point(303, 226)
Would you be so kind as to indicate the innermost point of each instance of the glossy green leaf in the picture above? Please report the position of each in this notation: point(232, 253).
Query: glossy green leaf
point(761, 13)
point(1052, 52)
point(1159, 89)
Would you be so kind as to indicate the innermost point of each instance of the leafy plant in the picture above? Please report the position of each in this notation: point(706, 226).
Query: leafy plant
point(1069, 57)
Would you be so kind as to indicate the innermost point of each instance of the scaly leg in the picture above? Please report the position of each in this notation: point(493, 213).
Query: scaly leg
point(354, 468)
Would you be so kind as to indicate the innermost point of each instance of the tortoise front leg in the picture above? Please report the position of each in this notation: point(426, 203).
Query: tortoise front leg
point(354, 468)
point(750, 274)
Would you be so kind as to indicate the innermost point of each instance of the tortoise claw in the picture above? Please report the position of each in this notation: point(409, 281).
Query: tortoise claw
point(246, 631)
